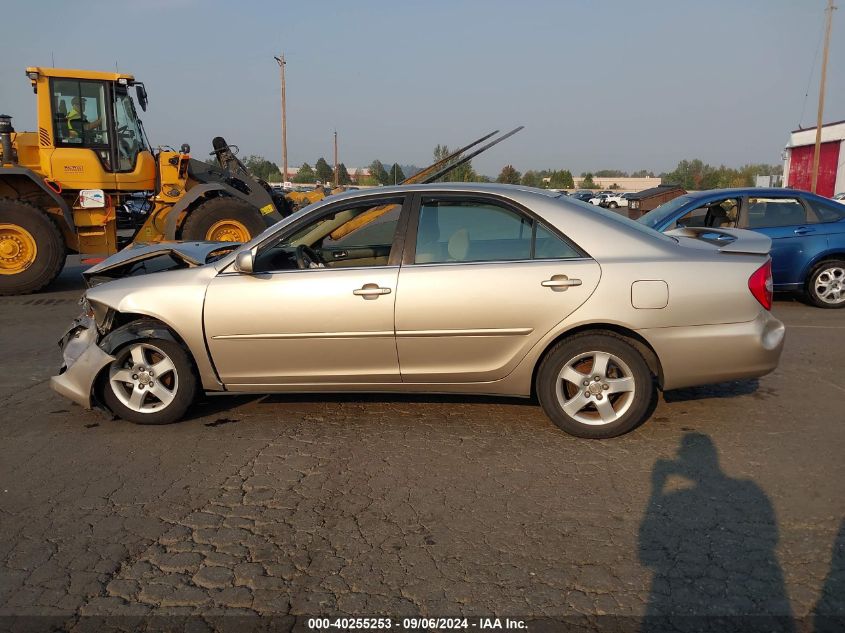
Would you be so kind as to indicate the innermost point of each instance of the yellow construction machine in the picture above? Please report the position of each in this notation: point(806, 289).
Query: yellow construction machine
point(60, 185)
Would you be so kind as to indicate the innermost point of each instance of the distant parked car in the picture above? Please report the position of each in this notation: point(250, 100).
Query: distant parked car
point(583, 196)
point(840, 197)
point(598, 199)
point(615, 200)
point(807, 232)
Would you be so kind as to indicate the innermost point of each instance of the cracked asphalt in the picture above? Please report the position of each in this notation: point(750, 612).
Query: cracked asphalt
point(728, 502)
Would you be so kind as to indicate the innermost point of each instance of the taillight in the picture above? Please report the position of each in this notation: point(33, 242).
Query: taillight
point(760, 284)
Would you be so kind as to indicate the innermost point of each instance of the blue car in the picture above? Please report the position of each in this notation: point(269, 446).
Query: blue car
point(807, 231)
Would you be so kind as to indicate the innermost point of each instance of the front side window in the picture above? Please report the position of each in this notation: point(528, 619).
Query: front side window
point(130, 140)
point(361, 235)
point(774, 212)
point(481, 231)
point(79, 111)
point(716, 214)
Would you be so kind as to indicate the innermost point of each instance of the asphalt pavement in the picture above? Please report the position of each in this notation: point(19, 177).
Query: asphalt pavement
point(728, 502)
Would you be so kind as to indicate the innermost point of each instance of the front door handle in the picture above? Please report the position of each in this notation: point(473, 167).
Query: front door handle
point(803, 230)
point(371, 291)
point(559, 283)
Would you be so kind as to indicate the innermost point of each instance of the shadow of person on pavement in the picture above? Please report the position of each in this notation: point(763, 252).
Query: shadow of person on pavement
point(710, 540)
point(829, 613)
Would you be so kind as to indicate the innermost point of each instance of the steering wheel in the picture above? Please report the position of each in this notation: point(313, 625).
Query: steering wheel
point(307, 257)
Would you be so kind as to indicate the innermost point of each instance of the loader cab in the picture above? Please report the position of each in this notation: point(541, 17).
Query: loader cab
point(90, 134)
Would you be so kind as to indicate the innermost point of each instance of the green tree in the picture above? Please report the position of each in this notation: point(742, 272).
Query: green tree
point(611, 173)
point(461, 173)
point(562, 179)
point(305, 175)
point(531, 179)
point(262, 168)
point(587, 182)
point(396, 174)
point(323, 171)
point(509, 175)
point(379, 173)
point(643, 173)
point(343, 177)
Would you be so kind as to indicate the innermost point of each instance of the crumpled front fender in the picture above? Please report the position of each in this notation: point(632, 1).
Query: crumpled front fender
point(82, 362)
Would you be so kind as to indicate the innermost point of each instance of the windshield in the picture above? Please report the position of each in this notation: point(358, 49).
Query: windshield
point(130, 140)
point(656, 217)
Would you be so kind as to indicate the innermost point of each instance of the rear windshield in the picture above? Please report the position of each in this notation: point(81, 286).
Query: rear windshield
point(620, 219)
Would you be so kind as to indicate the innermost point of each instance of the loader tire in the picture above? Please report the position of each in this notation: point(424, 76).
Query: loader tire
point(32, 250)
point(223, 219)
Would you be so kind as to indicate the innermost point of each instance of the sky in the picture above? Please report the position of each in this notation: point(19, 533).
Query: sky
point(598, 84)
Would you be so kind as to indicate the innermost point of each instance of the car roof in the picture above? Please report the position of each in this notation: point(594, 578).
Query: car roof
point(753, 191)
point(457, 187)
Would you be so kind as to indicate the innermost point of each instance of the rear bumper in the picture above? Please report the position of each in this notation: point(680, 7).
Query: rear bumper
point(705, 354)
point(83, 360)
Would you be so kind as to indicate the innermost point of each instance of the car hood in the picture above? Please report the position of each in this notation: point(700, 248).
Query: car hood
point(147, 258)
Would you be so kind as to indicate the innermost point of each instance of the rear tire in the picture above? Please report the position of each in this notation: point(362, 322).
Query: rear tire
point(32, 249)
point(826, 284)
point(223, 219)
point(613, 205)
point(619, 401)
point(151, 381)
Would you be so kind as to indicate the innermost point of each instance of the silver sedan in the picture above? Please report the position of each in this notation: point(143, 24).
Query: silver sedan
point(475, 289)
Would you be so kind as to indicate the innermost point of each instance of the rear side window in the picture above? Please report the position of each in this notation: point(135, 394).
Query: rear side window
point(479, 231)
point(827, 211)
point(774, 212)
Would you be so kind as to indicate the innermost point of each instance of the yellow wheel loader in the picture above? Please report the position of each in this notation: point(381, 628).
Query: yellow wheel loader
point(60, 185)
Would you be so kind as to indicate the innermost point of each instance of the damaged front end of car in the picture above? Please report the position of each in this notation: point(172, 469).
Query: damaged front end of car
point(87, 345)
point(82, 357)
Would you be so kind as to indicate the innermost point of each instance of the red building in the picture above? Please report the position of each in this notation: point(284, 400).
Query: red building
point(798, 159)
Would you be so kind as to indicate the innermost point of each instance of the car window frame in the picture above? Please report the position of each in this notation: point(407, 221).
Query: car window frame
point(410, 243)
point(396, 247)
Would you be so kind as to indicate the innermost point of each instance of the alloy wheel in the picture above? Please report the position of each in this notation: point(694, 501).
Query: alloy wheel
point(144, 378)
point(595, 388)
point(829, 285)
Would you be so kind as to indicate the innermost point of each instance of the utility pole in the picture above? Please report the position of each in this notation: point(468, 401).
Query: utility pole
point(281, 62)
point(817, 151)
point(336, 177)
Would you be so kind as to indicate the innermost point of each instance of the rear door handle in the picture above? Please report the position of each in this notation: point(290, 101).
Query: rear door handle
point(371, 291)
point(803, 230)
point(559, 283)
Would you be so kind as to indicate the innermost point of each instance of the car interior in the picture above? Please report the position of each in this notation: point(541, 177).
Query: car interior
point(358, 236)
point(716, 214)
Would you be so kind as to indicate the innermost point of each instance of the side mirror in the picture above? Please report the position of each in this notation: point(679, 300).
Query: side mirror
point(141, 93)
point(244, 262)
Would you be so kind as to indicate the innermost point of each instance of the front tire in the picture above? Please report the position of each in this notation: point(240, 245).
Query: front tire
point(613, 205)
point(223, 219)
point(32, 250)
point(595, 386)
point(151, 381)
point(826, 284)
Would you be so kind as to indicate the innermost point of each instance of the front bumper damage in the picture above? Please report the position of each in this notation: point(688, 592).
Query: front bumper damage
point(82, 362)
